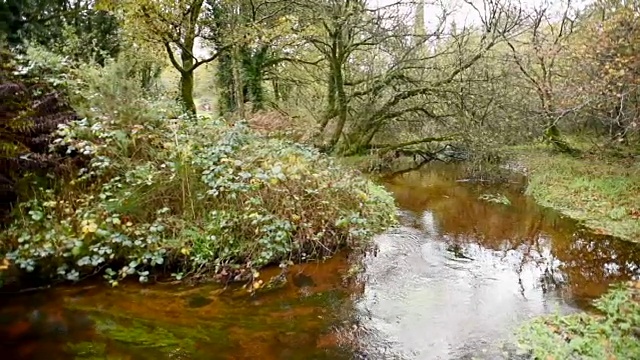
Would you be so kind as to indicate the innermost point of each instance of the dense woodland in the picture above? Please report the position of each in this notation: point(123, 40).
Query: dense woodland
point(366, 76)
point(92, 88)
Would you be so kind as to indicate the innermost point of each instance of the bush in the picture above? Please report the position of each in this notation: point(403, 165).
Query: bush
point(196, 194)
point(611, 334)
point(31, 109)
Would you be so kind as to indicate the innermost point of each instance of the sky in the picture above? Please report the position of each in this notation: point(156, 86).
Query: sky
point(460, 12)
point(463, 13)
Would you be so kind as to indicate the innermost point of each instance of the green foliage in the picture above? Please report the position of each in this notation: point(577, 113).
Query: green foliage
point(495, 198)
point(42, 65)
point(74, 28)
point(31, 108)
point(196, 194)
point(602, 194)
point(610, 334)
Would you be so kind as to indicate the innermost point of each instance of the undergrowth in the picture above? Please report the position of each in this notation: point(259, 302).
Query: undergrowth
point(189, 195)
point(612, 333)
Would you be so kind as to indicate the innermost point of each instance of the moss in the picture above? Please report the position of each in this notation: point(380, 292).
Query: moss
point(602, 193)
point(145, 332)
point(147, 339)
point(87, 350)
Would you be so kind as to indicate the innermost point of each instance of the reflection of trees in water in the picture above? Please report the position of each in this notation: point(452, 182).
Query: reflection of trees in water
point(527, 236)
point(593, 261)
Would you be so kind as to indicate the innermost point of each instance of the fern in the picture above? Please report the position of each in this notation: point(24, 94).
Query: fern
point(30, 113)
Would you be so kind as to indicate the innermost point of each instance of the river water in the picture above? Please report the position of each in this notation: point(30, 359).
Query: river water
point(453, 281)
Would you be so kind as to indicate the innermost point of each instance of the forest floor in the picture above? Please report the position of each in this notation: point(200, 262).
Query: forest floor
point(601, 191)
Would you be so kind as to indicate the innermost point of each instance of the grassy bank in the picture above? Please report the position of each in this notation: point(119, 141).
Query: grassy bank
point(603, 193)
point(611, 332)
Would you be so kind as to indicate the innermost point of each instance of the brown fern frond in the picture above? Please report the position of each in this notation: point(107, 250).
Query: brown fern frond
point(49, 104)
point(30, 113)
point(48, 124)
point(11, 89)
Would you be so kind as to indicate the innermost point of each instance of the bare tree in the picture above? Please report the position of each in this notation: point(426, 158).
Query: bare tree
point(536, 55)
point(409, 72)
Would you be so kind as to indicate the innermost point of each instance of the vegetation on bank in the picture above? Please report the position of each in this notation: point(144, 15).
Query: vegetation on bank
point(612, 332)
point(190, 194)
point(600, 190)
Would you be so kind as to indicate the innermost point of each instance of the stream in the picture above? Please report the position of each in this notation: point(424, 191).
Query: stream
point(454, 280)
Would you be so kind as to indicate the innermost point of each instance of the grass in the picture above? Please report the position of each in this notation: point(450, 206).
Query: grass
point(610, 333)
point(601, 192)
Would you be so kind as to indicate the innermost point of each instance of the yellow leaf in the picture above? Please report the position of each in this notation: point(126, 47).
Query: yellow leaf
point(5, 264)
point(89, 226)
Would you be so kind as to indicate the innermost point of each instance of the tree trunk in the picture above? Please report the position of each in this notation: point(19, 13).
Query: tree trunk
point(237, 82)
point(341, 98)
point(186, 92)
point(330, 111)
point(253, 69)
point(275, 83)
point(224, 74)
point(254, 87)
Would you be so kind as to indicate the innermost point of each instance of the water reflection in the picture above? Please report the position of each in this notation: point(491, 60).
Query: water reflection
point(462, 273)
point(451, 283)
point(450, 211)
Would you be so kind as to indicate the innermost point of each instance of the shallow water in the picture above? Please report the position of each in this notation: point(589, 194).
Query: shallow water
point(452, 282)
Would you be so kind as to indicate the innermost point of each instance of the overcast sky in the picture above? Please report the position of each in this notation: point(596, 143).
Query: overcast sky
point(460, 11)
point(463, 13)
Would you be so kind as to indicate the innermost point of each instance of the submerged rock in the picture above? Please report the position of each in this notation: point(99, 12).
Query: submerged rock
point(301, 280)
point(199, 301)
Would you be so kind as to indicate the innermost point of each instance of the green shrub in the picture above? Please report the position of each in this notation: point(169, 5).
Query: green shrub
point(197, 194)
point(611, 334)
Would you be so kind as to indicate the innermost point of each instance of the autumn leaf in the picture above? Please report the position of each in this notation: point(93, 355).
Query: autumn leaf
point(88, 227)
point(5, 264)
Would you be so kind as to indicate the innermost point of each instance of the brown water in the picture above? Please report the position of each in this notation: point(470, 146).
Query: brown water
point(452, 282)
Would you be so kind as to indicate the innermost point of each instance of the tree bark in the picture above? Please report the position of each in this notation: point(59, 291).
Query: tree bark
point(186, 92)
point(341, 98)
point(330, 111)
point(237, 82)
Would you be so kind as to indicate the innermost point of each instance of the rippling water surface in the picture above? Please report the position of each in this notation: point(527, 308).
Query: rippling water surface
point(452, 282)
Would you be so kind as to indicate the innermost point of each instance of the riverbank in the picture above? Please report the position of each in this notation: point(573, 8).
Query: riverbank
point(154, 193)
point(612, 333)
point(603, 194)
point(418, 283)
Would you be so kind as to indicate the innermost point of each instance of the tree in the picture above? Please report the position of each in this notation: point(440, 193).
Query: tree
point(546, 43)
point(608, 76)
point(384, 72)
point(177, 26)
point(73, 27)
point(263, 36)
